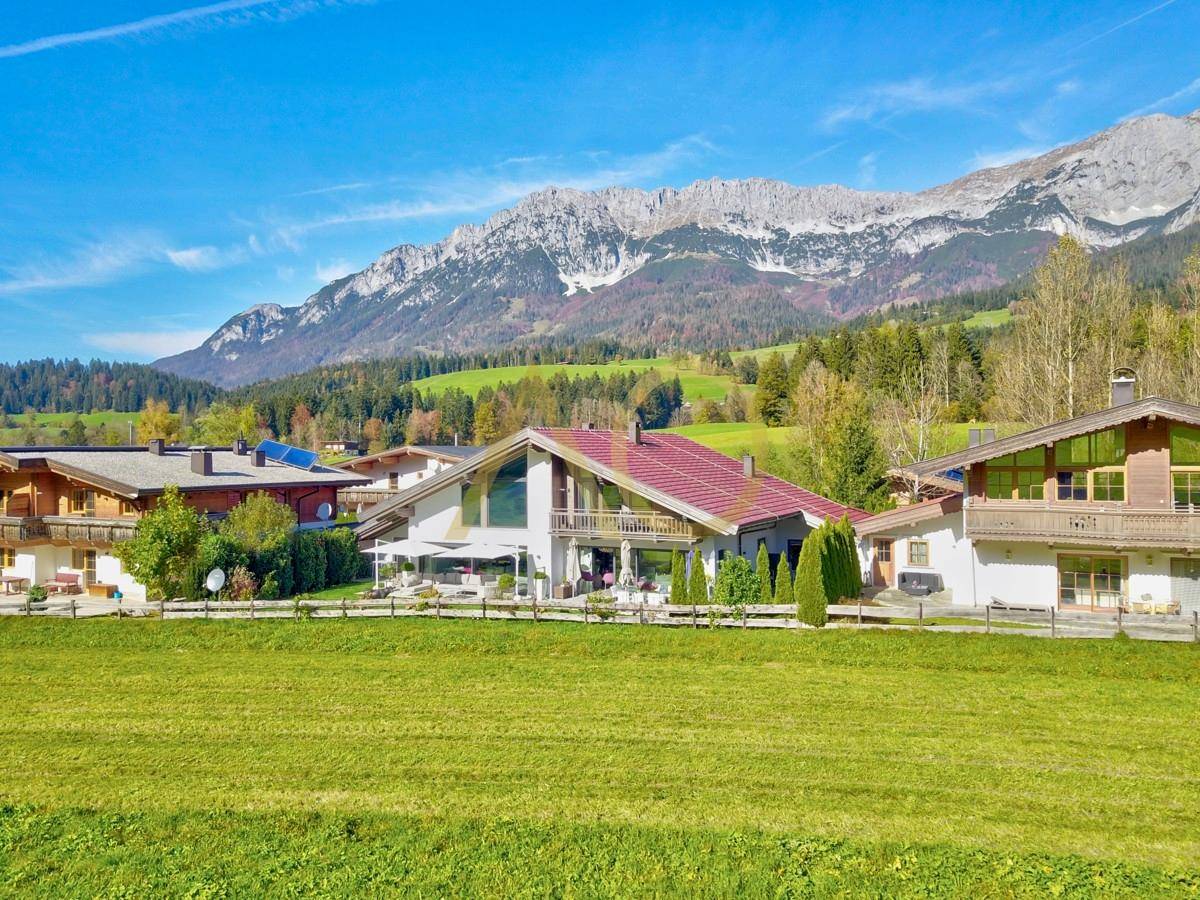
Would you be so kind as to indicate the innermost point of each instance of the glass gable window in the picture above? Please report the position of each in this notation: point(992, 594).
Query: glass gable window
point(508, 495)
point(1186, 486)
point(1185, 446)
point(1104, 448)
point(472, 506)
point(1017, 476)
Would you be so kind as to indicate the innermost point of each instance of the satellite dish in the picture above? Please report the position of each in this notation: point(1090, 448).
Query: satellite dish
point(215, 580)
point(324, 511)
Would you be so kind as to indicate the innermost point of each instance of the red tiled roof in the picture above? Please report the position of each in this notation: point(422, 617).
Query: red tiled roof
point(699, 476)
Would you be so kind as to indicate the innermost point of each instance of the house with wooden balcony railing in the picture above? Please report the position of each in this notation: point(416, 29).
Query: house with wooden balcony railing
point(391, 471)
point(594, 509)
point(1100, 512)
point(63, 509)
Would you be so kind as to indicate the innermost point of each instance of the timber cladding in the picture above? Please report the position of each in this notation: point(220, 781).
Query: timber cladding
point(1148, 463)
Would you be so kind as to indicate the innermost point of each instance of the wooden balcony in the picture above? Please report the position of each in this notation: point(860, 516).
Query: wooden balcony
point(620, 524)
point(20, 529)
point(83, 531)
point(366, 496)
point(1083, 524)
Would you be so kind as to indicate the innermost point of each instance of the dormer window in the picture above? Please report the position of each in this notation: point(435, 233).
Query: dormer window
point(1018, 476)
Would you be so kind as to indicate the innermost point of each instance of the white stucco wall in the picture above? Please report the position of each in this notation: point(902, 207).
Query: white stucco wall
point(409, 471)
point(949, 554)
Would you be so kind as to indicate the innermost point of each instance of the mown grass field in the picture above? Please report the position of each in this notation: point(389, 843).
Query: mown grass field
point(51, 424)
point(469, 758)
point(696, 386)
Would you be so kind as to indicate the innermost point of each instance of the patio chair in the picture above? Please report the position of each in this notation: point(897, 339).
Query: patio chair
point(1169, 608)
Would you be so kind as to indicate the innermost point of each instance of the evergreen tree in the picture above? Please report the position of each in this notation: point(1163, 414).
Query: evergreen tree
point(771, 399)
point(679, 589)
point(857, 468)
point(783, 582)
point(76, 434)
point(697, 581)
point(809, 589)
point(762, 568)
point(854, 584)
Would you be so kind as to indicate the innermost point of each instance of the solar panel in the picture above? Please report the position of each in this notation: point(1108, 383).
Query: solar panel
point(288, 455)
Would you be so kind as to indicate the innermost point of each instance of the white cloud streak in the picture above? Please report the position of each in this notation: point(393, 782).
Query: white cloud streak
point(338, 268)
point(475, 191)
point(1188, 90)
point(992, 159)
point(148, 344)
point(229, 12)
point(1125, 24)
point(897, 98)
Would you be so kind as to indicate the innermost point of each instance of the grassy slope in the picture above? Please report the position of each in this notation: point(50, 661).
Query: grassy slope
point(988, 318)
point(457, 757)
point(52, 423)
point(695, 386)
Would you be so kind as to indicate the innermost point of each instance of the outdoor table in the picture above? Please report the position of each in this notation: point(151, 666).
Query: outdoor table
point(12, 583)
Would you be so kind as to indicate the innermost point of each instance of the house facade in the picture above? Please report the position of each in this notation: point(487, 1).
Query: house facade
point(63, 509)
point(1096, 513)
point(392, 471)
point(556, 492)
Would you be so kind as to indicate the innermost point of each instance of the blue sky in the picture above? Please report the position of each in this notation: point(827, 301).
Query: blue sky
point(166, 165)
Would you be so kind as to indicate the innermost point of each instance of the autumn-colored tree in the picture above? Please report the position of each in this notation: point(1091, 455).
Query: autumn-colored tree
point(157, 422)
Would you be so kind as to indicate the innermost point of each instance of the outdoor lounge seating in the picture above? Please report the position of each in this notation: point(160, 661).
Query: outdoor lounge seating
point(64, 583)
point(919, 584)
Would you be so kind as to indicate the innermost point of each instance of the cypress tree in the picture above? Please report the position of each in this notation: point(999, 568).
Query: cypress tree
point(762, 568)
point(809, 589)
point(679, 589)
point(697, 581)
point(783, 582)
point(855, 584)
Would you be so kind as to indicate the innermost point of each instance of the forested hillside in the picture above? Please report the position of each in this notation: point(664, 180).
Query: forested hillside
point(56, 386)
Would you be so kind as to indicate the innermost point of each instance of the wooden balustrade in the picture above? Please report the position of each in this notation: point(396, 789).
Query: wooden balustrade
point(620, 523)
point(1083, 524)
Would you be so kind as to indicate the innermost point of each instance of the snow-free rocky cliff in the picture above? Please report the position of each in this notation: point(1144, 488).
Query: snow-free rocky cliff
point(718, 255)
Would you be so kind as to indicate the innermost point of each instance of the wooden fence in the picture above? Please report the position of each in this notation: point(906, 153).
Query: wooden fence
point(1038, 623)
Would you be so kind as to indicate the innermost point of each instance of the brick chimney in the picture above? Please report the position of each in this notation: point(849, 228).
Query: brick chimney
point(635, 432)
point(258, 458)
point(240, 447)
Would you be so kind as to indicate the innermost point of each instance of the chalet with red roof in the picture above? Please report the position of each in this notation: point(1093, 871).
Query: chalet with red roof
point(587, 507)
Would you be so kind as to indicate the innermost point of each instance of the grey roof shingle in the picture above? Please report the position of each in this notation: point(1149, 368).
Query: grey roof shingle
point(143, 472)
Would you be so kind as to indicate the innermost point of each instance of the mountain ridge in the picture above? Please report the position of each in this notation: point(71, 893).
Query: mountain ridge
point(563, 261)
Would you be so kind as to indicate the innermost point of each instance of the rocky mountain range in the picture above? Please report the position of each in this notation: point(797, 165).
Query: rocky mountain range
point(718, 261)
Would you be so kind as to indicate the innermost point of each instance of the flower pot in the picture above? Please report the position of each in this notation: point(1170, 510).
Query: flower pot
point(539, 587)
point(409, 579)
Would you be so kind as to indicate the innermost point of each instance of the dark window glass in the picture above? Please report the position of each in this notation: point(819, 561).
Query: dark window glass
point(507, 498)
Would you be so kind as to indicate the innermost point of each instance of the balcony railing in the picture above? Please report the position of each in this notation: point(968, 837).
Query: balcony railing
point(1083, 525)
point(75, 530)
point(365, 495)
point(600, 523)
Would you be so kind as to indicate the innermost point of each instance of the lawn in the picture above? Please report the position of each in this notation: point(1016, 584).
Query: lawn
point(695, 385)
point(51, 424)
point(989, 318)
point(467, 758)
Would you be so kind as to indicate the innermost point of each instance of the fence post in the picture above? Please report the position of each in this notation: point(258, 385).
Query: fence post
point(392, 603)
point(72, 606)
point(860, 610)
point(483, 599)
point(921, 613)
point(1120, 617)
point(1195, 625)
point(206, 606)
point(694, 625)
point(743, 616)
point(343, 607)
point(28, 611)
point(251, 609)
point(1053, 620)
point(642, 611)
point(535, 612)
point(987, 619)
point(585, 610)
point(118, 609)
point(437, 606)
point(162, 608)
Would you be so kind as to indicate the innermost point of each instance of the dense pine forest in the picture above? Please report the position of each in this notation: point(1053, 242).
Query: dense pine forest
point(58, 386)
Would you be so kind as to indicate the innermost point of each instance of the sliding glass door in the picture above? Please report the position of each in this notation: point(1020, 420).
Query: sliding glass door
point(1091, 582)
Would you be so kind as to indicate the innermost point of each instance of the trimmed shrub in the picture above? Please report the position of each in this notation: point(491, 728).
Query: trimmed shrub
point(216, 551)
point(679, 589)
point(762, 569)
point(697, 581)
point(269, 590)
point(783, 582)
point(242, 584)
point(274, 558)
point(341, 556)
point(308, 562)
point(809, 588)
point(737, 585)
point(855, 582)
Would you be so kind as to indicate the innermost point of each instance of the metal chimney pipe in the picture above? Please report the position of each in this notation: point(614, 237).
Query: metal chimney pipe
point(748, 465)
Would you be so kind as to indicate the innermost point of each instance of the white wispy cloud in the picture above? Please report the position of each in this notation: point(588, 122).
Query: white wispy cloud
point(1188, 90)
point(479, 190)
point(919, 94)
point(92, 264)
point(148, 344)
point(1124, 24)
point(196, 259)
point(991, 159)
point(867, 167)
point(212, 15)
point(332, 271)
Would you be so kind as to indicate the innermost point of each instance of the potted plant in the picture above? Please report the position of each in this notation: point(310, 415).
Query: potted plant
point(408, 574)
point(563, 590)
point(540, 582)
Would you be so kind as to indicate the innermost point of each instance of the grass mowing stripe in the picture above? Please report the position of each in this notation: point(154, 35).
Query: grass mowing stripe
point(1007, 745)
point(57, 853)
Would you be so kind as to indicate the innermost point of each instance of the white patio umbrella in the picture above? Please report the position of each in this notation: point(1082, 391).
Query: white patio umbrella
point(574, 572)
point(407, 547)
point(484, 551)
point(626, 576)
